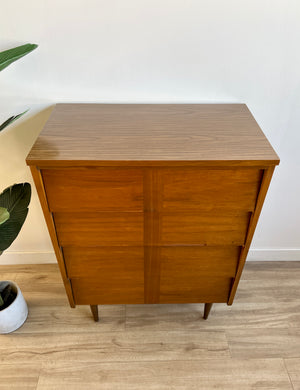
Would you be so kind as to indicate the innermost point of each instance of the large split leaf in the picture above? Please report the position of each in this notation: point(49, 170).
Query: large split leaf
point(14, 203)
point(7, 57)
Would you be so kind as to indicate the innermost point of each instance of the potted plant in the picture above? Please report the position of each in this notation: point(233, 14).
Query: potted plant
point(14, 202)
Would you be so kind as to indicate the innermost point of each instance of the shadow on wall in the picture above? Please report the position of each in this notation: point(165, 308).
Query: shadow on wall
point(17, 140)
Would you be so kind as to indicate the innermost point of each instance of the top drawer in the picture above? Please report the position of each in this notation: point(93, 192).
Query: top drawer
point(97, 189)
point(210, 190)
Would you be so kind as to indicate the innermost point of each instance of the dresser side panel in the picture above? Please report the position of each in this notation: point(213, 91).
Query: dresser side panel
point(268, 173)
point(38, 181)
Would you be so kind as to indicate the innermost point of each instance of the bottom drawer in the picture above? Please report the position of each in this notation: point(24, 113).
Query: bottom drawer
point(107, 291)
point(106, 275)
point(197, 290)
point(197, 274)
point(115, 275)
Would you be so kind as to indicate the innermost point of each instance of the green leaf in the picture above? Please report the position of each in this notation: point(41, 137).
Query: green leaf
point(11, 120)
point(7, 57)
point(4, 215)
point(16, 200)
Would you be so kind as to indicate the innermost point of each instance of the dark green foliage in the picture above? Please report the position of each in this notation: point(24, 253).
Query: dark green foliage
point(7, 57)
point(11, 120)
point(15, 201)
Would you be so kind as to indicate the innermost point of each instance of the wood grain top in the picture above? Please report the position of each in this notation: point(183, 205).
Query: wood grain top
point(151, 134)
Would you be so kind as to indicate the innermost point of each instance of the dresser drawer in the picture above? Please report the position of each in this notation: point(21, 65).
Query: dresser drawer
point(195, 289)
point(197, 274)
point(123, 263)
point(106, 275)
point(186, 262)
point(97, 189)
point(209, 189)
point(99, 229)
point(108, 289)
point(203, 228)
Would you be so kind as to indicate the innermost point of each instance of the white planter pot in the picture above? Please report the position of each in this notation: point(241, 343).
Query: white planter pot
point(14, 315)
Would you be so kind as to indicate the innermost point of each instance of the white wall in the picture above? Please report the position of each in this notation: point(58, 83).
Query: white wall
point(157, 51)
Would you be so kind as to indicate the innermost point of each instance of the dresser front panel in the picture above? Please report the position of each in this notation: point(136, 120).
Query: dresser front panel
point(199, 220)
point(94, 189)
point(99, 229)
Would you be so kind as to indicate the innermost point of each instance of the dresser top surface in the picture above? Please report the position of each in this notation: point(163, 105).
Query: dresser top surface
point(151, 134)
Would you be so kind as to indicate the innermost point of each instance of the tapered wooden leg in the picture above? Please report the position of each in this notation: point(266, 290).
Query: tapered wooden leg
point(94, 309)
point(207, 308)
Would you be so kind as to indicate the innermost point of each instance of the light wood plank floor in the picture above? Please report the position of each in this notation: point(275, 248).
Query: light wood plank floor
point(255, 344)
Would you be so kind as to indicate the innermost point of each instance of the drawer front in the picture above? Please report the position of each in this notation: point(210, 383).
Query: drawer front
point(106, 275)
point(108, 289)
point(99, 229)
point(123, 263)
point(187, 262)
point(203, 229)
point(209, 189)
point(197, 274)
point(197, 289)
point(97, 189)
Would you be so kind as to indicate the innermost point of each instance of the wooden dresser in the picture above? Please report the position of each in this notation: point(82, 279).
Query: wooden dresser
point(151, 203)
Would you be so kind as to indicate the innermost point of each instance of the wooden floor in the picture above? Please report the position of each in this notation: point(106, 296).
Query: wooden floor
point(255, 344)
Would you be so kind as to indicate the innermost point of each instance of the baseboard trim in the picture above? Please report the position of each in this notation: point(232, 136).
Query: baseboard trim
point(12, 257)
point(274, 255)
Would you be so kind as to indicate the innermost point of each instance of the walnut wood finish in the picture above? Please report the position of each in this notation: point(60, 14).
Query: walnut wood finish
point(151, 134)
point(198, 289)
point(207, 309)
point(199, 189)
point(152, 234)
point(151, 203)
point(268, 173)
point(105, 274)
point(95, 290)
point(94, 309)
point(203, 229)
point(94, 189)
point(87, 261)
point(51, 228)
point(99, 229)
point(187, 261)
